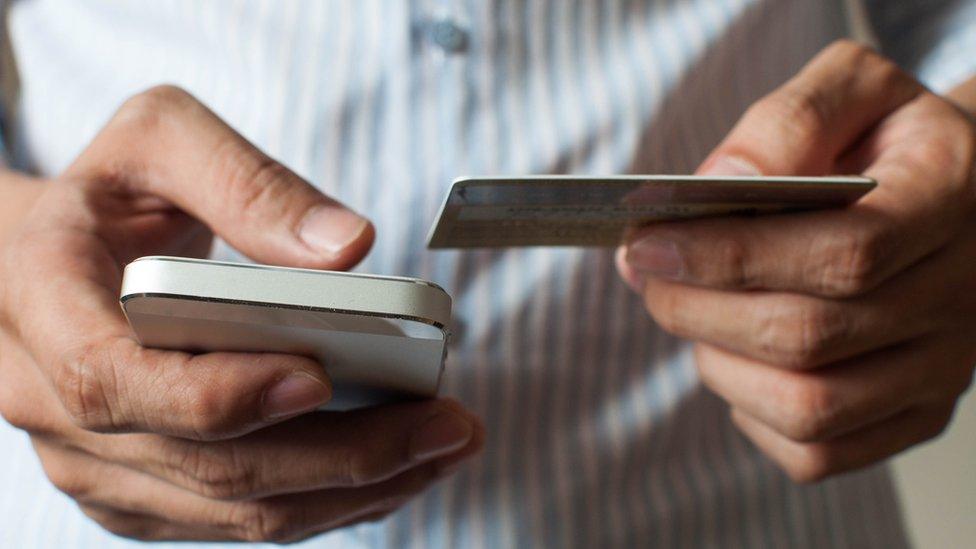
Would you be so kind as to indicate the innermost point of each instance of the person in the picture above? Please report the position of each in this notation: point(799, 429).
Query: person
point(739, 384)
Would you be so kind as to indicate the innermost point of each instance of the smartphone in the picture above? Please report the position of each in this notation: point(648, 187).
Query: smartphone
point(379, 338)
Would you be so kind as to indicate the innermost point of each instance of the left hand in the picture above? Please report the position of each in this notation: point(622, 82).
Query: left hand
point(838, 337)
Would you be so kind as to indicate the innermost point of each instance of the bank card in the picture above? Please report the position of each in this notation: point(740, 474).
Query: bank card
point(584, 211)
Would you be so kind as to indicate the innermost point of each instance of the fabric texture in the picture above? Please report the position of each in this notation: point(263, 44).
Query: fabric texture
point(599, 432)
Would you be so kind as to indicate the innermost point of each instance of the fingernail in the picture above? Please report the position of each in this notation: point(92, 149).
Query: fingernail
point(656, 257)
point(731, 165)
point(331, 229)
point(631, 276)
point(297, 393)
point(440, 435)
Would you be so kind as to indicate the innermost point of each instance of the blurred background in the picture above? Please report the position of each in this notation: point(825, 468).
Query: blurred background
point(938, 484)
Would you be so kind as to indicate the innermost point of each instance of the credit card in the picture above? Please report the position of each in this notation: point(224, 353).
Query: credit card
point(558, 210)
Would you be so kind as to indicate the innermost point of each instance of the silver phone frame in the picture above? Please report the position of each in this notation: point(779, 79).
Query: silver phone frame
point(402, 300)
point(143, 278)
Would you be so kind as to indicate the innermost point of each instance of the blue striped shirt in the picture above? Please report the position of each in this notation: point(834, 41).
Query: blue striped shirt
point(599, 432)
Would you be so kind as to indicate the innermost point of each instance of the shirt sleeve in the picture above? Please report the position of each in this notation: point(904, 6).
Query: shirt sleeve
point(934, 39)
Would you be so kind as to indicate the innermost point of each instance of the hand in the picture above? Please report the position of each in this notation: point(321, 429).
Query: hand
point(168, 445)
point(841, 337)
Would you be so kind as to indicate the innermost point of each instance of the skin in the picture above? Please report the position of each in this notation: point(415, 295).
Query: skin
point(838, 338)
point(167, 445)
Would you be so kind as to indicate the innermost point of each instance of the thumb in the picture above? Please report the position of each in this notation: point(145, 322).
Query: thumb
point(165, 142)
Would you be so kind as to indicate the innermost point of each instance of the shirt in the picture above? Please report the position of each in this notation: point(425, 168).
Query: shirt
point(599, 432)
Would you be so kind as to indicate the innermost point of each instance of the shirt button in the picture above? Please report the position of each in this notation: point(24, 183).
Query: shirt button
point(459, 329)
point(449, 36)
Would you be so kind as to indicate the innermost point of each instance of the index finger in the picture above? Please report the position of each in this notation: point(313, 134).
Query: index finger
point(323, 450)
point(165, 142)
point(921, 155)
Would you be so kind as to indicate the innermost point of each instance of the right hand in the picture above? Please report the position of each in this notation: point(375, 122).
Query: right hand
point(167, 445)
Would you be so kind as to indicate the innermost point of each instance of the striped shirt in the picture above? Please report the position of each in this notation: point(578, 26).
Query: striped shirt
point(599, 432)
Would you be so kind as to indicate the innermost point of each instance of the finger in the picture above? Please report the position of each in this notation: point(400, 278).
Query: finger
point(800, 331)
point(290, 518)
point(817, 405)
point(107, 382)
point(121, 387)
point(165, 142)
point(282, 518)
point(811, 462)
point(921, 155)
point(631, 276)
point(793, 331)
point(146, 528)
point(802, 127)
point(329, 449)
point(322, 450)
point(820, 405)
point(26, 400)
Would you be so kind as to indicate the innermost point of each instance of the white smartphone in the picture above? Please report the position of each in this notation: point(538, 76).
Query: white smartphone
point(378, 337)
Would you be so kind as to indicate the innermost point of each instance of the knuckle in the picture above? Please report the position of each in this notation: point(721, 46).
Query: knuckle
point(799, 335)
point(848, 48)
point(250, 179)
point(799, 115)
point(15, 413)
point(207, 411)
point(19, 403)
point(71, 485)
point(861, 58)
point(810, 410)
point(944, 149)
point(86, 391)
point(18, 411)
point(66, 479)
point(852, 53)
point(147, 111)
point(943, 152)
point(854, 263)
point(216, 474)
point(887, 72)
point(263, 521)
